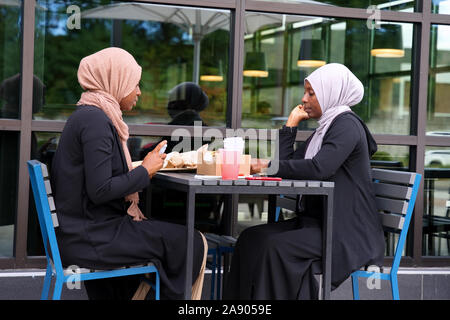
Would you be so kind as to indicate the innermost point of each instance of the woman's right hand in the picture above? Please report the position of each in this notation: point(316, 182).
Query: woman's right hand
point(297, 114)
point(258, 165)
point(154, 161)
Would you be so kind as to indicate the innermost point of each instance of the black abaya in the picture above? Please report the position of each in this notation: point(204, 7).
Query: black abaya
point(90, 179)
point(284, 250)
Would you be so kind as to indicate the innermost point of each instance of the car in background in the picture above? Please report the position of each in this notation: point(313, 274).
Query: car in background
point(438, 133)
point(437, 158)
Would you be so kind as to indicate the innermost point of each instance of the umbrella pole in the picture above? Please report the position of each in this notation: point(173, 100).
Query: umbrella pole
point(197, 37)
point(196, 67)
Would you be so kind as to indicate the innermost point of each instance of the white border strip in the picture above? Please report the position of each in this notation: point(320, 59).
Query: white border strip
point(18, 273)
point(423, 271)
point(41, 272)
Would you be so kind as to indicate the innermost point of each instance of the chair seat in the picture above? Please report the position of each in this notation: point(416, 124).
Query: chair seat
point(71, 271)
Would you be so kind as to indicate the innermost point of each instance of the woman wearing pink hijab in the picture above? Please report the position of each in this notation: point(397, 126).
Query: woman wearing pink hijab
point(279, 260)
point(96, 187)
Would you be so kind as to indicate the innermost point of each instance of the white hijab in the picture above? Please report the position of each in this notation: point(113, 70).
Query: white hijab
point(337, 89)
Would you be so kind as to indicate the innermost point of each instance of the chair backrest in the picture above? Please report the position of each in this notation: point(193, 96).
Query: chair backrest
point(45, 207)
point(396, 193)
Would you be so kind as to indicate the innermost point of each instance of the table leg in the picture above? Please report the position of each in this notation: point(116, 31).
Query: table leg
point(230, 217)
point(327, 245)
point(190, 212)
point(230, 213)
point(271, 212)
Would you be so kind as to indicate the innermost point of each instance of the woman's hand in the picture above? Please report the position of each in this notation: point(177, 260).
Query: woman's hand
point(297, 114)
point(257, 165)
point(154, 161)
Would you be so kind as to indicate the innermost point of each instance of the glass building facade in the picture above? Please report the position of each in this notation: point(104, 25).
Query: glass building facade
point(250, 57)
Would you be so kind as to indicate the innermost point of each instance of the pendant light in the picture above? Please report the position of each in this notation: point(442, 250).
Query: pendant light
point(388, 42)
point(255, 65)
point(212, 73)
point(311, 53)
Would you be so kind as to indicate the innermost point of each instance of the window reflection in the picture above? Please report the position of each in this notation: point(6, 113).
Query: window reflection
point(436, 219)
point(289, 48)
point(10, 53)
point(439, 82)
point(173, 45)
point(441, 6)
point(9, 169)
point(58, 51)
point(391, 157)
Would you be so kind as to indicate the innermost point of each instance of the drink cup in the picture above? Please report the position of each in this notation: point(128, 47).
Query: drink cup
point(230, 161)
point(234, 143)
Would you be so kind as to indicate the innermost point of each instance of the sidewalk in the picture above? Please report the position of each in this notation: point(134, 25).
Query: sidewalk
point(414, 284)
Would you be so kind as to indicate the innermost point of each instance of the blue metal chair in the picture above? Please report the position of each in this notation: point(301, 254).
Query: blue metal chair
point(48, 221)
point(396, 193)
point(218, 245)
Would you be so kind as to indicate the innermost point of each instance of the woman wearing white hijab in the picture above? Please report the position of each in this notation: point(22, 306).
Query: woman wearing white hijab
point(278, 261)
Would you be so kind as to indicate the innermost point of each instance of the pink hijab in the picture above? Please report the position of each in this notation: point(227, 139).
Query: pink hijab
point(108, 76)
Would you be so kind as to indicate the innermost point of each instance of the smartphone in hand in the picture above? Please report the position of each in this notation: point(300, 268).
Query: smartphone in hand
point(163, 149)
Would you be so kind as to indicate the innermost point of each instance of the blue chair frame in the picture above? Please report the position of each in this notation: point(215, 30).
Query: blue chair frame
point(48, 222)
point(213, 266)
point(392, 275)
point(220, 247)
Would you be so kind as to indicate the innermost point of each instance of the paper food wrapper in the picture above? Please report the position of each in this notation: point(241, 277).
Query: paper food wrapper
point(208, 163)
point(181, 160)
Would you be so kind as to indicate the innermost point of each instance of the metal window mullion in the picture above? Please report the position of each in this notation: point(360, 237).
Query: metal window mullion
point(437, 141)
point(329, 11)
point(219, 4)
point(234, 108)
point(10, 125)
point(440, 18)
point(21, 231)
point(419, 117)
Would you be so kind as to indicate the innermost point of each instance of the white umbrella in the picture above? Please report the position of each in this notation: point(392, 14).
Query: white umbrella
point(198, 22)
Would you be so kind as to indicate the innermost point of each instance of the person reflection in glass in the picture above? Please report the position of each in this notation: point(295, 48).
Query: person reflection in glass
point(10, 96)
point(186, 101)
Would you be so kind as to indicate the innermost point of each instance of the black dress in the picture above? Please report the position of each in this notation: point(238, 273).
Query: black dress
point(279, 260)
point(90, 179)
